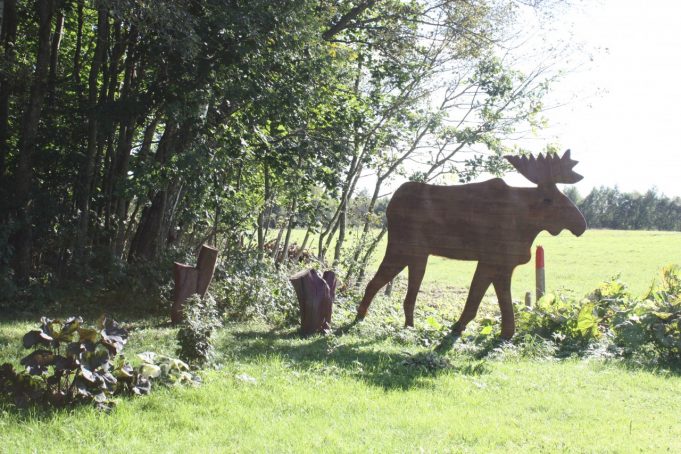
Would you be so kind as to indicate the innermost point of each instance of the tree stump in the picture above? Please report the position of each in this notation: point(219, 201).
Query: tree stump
point(192, 279)
point(315, 298)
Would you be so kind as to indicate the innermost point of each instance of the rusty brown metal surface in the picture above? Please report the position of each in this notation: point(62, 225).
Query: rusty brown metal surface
point(192, 279)
point(490, 222)
point(316, 295)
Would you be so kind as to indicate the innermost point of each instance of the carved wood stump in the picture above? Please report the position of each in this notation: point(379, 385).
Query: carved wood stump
point(315, 298)
point(192, 279)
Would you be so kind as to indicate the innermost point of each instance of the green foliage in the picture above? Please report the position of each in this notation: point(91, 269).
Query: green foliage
point(200, 321)
point(532, 405)
point(72, 363)
point(147, 145)
point(611, 322)
point(609, 208)
point(251, 289)
point(165, 369)
point(428, 362)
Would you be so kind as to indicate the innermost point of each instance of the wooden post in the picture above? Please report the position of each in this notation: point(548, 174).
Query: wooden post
point(528, 299)
point(539, 273)
point(192, 279)
point(315, 298)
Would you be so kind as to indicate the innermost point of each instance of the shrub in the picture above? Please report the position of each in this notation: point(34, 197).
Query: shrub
point(610, 322)
point(72, 363)
point(166, 369)
point(194, 335)
point(655, 321)
point(251, 289)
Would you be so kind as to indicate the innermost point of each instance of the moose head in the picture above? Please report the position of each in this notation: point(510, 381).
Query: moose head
point(551, 210)
point(489, 222)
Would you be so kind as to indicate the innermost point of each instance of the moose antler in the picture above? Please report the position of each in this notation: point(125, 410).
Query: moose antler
point(546, 169)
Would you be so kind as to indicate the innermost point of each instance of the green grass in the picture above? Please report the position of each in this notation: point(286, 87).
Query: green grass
point(572, 263)
point(353, 393)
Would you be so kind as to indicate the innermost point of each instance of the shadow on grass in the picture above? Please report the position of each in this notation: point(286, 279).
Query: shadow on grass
point(360, 358)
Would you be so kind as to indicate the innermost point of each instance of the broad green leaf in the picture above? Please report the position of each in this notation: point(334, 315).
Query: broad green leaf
point(487, 330)
point(663, 315)
point(149, 371)
point(36, 337)
point(587, 323)
point(38, 358)
point(87, 334)
point(433, 323)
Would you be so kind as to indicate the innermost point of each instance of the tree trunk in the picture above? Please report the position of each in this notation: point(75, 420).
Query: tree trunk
point(79, 46)
point(87, 170)
point(9, 37)
point(289, 229)
point(120, 202)
point(341, 235)
point(148, 138)
point(54, 54)
point(144, 243)
point(29, 132)
point(361, 241)
point(367, 255)
point(302, 247)
point(354, 172)
point(262, 218)
point(275, 249)
point(148, 237)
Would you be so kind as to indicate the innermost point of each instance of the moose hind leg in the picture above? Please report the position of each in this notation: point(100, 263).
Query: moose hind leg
point(386, 272)
point(417, 269)
point(502, 286)
point(481, 281)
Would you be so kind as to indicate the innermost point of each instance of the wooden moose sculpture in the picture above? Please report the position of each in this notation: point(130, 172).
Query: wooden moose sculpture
point(490, 222)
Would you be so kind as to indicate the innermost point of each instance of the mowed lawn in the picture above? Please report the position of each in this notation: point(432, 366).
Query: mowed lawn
point(356, 390)
point(275, 392)
point(577, 264)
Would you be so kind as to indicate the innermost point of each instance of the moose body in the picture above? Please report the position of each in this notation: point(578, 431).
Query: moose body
point(490, 222)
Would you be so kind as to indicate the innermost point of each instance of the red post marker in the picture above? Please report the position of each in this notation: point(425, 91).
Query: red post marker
point(539, 274)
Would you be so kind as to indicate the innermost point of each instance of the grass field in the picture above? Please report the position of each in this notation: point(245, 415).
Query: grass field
point(355, 394)
point(572, 263)
point(369, 388)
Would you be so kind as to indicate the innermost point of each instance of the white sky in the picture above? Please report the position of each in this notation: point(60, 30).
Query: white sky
point(621, 111)
point(628, 134)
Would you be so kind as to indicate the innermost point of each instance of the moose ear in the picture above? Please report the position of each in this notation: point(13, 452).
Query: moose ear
point(549, 169)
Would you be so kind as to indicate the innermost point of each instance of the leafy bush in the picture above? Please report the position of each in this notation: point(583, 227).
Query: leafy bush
point(72, 363)
point(194, 335)
point(251, 289)
point(610, 322)
point(168, 370)
point(655, 321)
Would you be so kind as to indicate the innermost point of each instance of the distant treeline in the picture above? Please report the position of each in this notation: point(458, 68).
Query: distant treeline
point(609, 208)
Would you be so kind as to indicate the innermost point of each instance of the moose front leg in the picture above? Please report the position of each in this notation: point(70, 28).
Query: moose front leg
point(502, 286)
point(481, 281)
point(417, 268)
point(389, 268)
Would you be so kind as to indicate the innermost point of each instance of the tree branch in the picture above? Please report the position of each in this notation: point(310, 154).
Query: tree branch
point(344, 21)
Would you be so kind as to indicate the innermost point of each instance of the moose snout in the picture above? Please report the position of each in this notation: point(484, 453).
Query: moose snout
point(579, 225)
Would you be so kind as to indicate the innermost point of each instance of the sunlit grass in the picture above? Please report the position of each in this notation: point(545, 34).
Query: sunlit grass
point(353, 393)
point(572, 263)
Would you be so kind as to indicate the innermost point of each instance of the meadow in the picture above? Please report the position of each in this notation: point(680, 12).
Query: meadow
point(573, 264)
point(377, 387)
